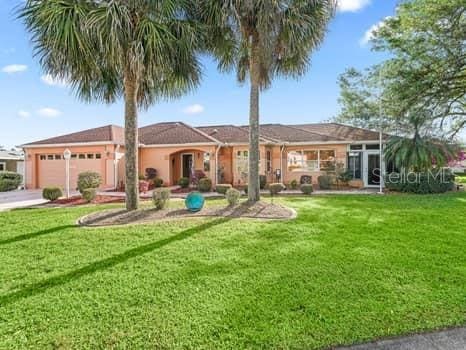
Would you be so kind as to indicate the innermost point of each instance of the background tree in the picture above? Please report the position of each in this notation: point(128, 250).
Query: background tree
point(425, 74)
point(138, 50)
point(262, 39)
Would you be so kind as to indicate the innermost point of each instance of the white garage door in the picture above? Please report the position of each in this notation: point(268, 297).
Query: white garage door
point(51, 169)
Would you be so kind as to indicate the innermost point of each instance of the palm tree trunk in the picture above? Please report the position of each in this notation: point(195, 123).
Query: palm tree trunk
point(131, 143)
point(253, 172)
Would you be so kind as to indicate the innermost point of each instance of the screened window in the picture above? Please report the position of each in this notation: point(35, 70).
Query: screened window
point(242, 159)
point(327, 160)
point(370, 147)
point(82, 156)
point(74, 156)
point(43, 157)
point(206, 161)
point(98, 156)
point(90, 156)
point(356, 147)
point(355, 164)
point(2, 166)
point(50, 157)
point(57, 156)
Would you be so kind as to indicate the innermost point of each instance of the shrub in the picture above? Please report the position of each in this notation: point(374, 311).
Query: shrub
point(157, 181)
point(262, 181)
point(183, 182)
point(141, 177)
point(89, 194)
point(307, 188)
point(293, 184)
point(232, 195)
point(160, 198)
point(151, 173)
point(276, 188)
point(52, 193)
point(9, 181)
point(205, 184)
point(198, 174)
point(88, 179)
point(325, 182)
point(222, 188)
point(434, 181)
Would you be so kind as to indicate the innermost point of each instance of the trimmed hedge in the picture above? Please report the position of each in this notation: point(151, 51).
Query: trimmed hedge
point(9, 181)
point(276, 188)
point(325, 182)
point(307, 188)
point(160, 198)
point(293, 184)
point(52, 193)
point(232, 195)
point(222, 188)
point(434, 181)
point(158, 182)
point(183, 182)
point(205, 184)
point(88, 179)
point(89, 194)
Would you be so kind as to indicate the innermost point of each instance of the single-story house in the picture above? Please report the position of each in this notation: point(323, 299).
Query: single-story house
point(11, 161)
point(177, 150)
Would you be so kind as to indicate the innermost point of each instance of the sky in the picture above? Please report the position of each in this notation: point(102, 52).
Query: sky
point(35, 106)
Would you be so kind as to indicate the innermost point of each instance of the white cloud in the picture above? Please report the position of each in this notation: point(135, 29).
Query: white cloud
point(194, 109)
point(49, 80)
point(48, 112)
point(352, 5)
point(23, 114)
point(14, 68)
point(369, 34)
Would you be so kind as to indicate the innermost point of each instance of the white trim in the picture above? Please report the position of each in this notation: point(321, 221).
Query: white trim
point(77, 144)
point(365, 168)
point(179, 145)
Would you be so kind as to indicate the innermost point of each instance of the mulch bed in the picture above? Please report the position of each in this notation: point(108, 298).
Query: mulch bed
point(78, 200)
point(260, 210)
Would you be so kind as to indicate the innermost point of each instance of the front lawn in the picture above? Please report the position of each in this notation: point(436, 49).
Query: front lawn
point(349, 269)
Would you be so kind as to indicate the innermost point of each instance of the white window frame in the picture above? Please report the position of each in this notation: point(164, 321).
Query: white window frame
point(301, 151)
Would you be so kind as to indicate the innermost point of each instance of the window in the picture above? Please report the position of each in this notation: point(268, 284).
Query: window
point(242, 159)
point(57, 156)
point(268, 160)
point(327, 160)
point(43, 157)
point(370, 147)
point(355, 164)
point(356, 147)
point(206, 161)
point(74, 156)
point(50, 157)
point(82, 156)
point(2, 166)
point(98, 156)
point(90, 156)
point(311, 160)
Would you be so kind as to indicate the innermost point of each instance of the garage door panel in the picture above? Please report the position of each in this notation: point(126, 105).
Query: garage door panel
point(78, 166)
point(53, 173)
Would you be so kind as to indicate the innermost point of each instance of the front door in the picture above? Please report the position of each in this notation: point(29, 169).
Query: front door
point(373, 169)
point(186, 165)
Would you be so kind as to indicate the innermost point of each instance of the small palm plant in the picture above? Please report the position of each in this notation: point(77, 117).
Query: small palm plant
point(420, 152)
point(262, 39)
point(138, 50)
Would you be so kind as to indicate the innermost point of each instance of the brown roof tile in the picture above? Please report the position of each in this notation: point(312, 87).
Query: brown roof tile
point(172, 133)
point(340, 131)
point(108, 133)
point(287, 133)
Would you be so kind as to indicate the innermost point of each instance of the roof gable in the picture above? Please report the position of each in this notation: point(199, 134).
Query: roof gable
point(172, 133)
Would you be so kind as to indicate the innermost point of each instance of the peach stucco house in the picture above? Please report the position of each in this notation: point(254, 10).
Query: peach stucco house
point(176, 150)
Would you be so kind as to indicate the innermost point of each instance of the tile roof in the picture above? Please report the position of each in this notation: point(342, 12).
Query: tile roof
point(108, 133)
point(287, 133)
point(172, 133)
point(176, 133)
point(340, 131)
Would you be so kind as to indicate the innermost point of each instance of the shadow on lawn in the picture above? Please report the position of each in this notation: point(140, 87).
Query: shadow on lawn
point(42, 286)
point(34, 234)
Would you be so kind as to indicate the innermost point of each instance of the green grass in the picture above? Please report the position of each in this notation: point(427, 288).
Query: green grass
point(349, 269)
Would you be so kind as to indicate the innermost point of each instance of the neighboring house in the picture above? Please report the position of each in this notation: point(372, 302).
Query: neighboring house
point(11, 161)
point(176, 150)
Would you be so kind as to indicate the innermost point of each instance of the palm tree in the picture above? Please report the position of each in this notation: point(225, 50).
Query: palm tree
point(263, 39)
point(138, 50)
point(421, 152)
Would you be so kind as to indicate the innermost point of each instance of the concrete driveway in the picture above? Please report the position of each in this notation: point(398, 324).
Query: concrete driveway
point(20, 199)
